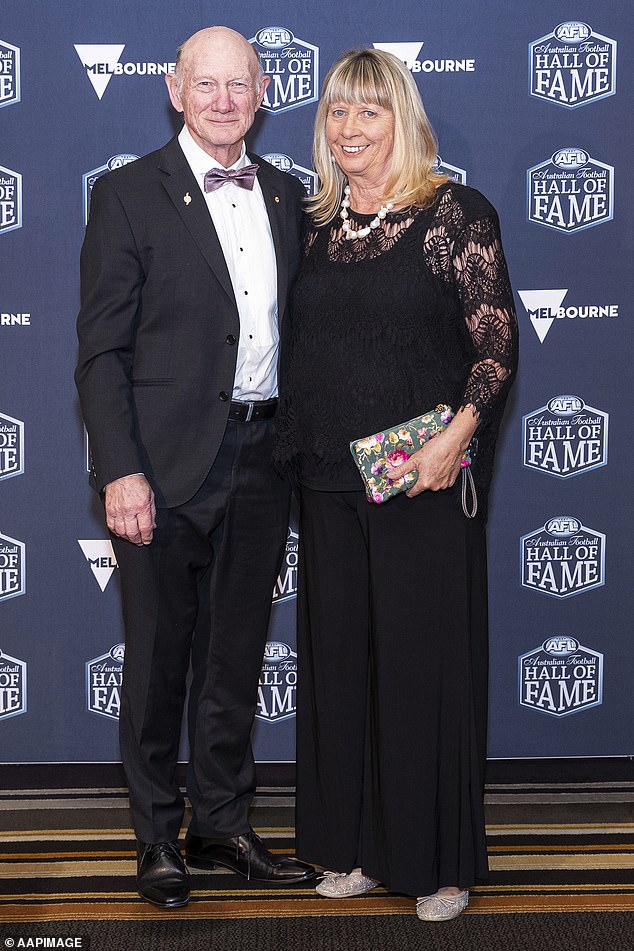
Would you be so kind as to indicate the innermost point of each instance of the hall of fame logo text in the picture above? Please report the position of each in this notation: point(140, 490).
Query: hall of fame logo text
point(104, 676)
point(572, 66)
point(571, 191)
point(11, 447)
point(12, 686)
point(12, 568)
point(286, 584)
point(10, 200)
point(563, 558)
point(291, 64)
point(9, 74)
point(565, 438)
point(278, 683)
point(561, 677)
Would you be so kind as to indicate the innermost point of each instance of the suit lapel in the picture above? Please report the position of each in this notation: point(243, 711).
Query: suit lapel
point(185, 193)
point(275, 201)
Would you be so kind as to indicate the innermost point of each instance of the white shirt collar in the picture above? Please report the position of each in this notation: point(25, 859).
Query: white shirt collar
point(199, 161)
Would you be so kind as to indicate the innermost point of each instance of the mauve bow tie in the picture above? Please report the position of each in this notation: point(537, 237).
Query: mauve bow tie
point(244, 177)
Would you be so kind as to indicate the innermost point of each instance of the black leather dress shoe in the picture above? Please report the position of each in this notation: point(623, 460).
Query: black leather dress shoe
point(162, 878)
point(247, 855)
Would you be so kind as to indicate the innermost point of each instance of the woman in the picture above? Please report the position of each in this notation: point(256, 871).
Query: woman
point(403, 302)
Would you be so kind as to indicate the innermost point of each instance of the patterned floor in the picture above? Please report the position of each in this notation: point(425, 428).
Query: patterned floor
point(69, 855)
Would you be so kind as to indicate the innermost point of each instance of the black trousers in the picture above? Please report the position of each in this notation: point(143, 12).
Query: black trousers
point(200, 593)
point(392, 689)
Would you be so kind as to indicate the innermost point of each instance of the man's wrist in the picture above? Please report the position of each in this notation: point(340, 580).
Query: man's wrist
point(122, 478)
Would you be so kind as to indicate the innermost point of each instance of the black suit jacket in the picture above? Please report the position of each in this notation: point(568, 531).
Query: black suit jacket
point(158, 325)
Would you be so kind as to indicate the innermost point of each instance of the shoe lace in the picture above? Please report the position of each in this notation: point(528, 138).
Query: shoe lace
point(154, 850)
point(251, 836)
point(152, 853)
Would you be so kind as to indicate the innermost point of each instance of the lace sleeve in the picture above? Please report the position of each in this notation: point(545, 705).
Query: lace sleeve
point(483, 287)
point(308, 234)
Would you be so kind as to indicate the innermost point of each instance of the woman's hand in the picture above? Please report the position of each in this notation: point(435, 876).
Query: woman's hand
point(438, 461)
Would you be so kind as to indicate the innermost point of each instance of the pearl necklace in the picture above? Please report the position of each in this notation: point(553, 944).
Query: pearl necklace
point(362, 232)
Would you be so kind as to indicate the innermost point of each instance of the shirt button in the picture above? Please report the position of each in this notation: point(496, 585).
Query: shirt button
point(223, 395)
point(231, 338)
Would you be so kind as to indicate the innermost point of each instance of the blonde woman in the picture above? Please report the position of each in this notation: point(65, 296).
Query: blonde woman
point(402, 302)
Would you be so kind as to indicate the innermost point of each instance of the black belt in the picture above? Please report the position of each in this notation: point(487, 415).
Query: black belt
point(247, 412)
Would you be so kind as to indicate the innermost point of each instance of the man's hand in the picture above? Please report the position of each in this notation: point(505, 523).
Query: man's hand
point(130, 509)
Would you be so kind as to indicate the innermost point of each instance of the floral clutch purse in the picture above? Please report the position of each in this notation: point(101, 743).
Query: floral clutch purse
point(395, 445)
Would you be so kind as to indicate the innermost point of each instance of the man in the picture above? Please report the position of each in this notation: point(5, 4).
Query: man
point(185, 271)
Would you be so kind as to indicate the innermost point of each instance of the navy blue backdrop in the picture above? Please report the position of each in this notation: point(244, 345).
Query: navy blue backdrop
point(531, 104)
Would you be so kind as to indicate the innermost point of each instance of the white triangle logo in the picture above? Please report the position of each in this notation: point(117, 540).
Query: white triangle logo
point(542, 307)
point(406, 52)
point(99, 554)
point(99, 62)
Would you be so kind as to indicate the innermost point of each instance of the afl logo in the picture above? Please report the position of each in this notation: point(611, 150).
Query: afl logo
point(118, 160)
point(118, 652)
point(286, 164)
point(570, 158)
point(563, 526)
point(276, 650)
point(561, 645)
point(274, 37)
point(573, 31)
point(283, 162)
point(565, 405)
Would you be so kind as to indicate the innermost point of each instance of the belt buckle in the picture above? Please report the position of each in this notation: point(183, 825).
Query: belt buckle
point(250, 410)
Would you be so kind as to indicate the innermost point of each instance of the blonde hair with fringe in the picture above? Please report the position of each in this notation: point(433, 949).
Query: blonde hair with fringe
point(374, 76)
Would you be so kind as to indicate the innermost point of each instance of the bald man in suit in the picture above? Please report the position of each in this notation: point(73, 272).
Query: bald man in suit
point(187, 261)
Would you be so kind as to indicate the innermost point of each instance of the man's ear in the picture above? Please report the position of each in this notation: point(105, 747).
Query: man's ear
point(263, 85)
point(172, 86)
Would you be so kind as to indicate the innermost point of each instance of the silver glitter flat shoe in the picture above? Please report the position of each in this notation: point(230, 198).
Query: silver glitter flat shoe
point(344, 885)
point(441, 907)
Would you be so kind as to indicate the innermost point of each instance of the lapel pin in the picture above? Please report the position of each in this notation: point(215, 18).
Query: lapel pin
point(187, 198)
point(277, 199)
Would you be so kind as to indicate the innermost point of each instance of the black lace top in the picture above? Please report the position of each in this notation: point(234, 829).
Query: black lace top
point(385, 327)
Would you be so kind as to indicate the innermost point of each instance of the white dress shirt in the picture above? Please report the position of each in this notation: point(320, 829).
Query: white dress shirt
point(242, 224)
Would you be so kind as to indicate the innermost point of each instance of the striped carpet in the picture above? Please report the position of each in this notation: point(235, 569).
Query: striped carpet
point(68, 856)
